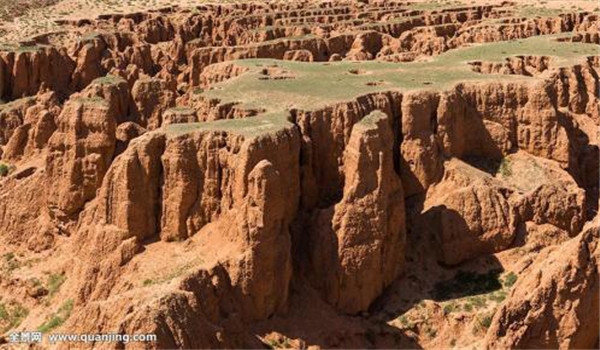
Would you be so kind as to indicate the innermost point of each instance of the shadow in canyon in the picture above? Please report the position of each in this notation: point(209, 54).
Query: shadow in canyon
point(427, 278)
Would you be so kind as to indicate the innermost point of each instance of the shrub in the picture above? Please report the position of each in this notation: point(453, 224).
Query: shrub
point(449, 308)
point(510, 279)
point(4, 170)
point(483, 321)
point(505, 168)
point(148, 282)
point(486, 321)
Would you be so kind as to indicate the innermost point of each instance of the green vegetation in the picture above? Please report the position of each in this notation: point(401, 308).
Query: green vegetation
point(403, 321)
point(27, 48)
point(487, 321)
point(451, 307)
point(269, 123)
point(19, 48)
point(89, 36)
point(4, 169)
point(55, 281)
point(505, 168)
point(35, 282)
point(108, 80)
point(531, 11)
point(498, 296)
point(148, 282)
point(90, 100)
point(17, 104)
point(434, 5)
point(176, 272)
point(510, 279)
point(467, 283)
point(477, 301)
point(11, 262)
point(11, 315)
point(319, 84)
point(57, 318)
point(430, 331)
point(483, 321)
point(468, 307)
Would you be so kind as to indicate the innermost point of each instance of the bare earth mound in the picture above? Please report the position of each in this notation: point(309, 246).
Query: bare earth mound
point(308, 174)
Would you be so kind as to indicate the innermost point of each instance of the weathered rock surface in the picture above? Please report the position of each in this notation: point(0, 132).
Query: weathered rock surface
point(470, 212)
point(358, 244)
point(37, 125)
point(79, 154)
point(555, 304)
point(245, 200)
point(27, 71)
point(151, 98)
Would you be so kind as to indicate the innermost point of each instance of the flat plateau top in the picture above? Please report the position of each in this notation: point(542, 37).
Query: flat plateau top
point(317, 84)
point(310, 86)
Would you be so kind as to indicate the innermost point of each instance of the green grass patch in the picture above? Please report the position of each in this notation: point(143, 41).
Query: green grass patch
point(505, 168)
point(498, 296)
point(55, 281)
point(109, 80)
point(532, 11)
point(249, 127)
point(11, 315)
point(320, 84)
point(478, 301)
point(482, 322)
point(176, 272)
point(510, 279)
point(58, 318)
point(468, 307)
point(11, 263)
point(450, 308)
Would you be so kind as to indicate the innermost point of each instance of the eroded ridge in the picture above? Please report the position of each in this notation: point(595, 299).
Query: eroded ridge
point(312, 173)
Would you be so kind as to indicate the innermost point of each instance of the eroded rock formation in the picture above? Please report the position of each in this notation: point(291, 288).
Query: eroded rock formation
point(551, 307)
